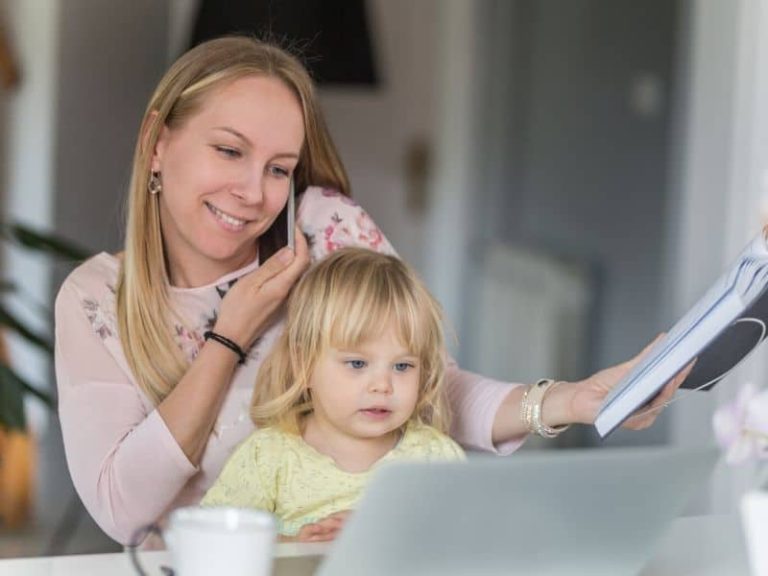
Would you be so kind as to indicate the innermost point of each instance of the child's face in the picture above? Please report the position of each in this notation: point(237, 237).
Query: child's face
point(366, 392)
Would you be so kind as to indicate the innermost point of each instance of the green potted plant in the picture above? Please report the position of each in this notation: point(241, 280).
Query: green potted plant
point(16, 447)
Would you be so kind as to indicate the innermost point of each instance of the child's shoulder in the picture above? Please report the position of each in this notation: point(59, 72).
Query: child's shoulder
point(428, 442)
point(269, 440)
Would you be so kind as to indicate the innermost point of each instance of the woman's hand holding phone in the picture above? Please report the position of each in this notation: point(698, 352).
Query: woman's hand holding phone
point(247, 309)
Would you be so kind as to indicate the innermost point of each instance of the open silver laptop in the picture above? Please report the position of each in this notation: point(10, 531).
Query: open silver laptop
point(596, 512)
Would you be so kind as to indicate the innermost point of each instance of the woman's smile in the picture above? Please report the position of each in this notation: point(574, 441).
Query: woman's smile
point(228, 221)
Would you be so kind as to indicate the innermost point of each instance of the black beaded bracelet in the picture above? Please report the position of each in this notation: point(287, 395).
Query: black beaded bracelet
point(224, 341)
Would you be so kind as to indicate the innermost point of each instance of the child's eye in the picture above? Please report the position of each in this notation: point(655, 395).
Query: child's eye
point(228, 151)
point(356, 364)
point(403, 366)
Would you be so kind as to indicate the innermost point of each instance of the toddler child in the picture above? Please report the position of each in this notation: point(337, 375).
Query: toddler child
point(355, 381)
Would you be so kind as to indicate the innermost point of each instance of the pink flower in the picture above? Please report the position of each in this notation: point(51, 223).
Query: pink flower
point(370, 235)
point(741, 426)
point(332, 193)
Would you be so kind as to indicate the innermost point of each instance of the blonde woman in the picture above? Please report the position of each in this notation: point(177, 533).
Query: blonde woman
point(157, 347)
point(354, 381)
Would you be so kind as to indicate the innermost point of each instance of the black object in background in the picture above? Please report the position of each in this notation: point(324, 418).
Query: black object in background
point(334, 34)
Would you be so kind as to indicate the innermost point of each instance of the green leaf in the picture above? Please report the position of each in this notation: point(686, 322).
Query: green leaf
point(12, 414)
point(13, 323)
point(26, 387)
point(13, 387)
point(43, 241)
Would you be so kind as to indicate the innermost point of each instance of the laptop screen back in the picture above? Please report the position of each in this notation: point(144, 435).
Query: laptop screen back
point(583, 511)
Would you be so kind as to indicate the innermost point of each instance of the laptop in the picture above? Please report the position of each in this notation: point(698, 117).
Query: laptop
point(596, 512)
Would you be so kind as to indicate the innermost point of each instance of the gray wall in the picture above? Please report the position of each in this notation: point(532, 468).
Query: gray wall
point(374, 127)
point(572, 164)
point(111, 55)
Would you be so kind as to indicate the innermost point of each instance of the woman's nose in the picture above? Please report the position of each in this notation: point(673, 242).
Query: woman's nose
point(250, 188)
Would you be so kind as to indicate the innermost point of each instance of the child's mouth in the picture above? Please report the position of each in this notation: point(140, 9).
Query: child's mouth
point(376, 413)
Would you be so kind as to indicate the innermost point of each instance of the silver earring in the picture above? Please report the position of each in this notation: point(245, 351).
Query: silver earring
point(155, 186)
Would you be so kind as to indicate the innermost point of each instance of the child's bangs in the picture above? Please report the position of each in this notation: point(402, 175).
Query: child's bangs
point(369, 308)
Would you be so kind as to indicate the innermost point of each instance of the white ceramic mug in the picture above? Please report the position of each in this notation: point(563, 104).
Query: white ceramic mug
point(231, 541)
point(754, 514)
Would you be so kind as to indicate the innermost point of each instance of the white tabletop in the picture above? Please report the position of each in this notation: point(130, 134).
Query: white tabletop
point(700, 545)
point(290, 560)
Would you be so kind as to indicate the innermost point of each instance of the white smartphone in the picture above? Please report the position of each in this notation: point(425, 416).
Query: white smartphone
point(291, 217)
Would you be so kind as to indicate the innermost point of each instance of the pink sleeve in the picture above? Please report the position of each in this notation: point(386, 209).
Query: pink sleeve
point(332, 221)
point(474, 401)
point(125, 464)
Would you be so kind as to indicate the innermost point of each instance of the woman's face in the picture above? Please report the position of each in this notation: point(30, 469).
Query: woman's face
point(225, 173)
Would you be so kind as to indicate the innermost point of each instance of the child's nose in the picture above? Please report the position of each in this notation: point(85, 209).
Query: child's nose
point(381, 383)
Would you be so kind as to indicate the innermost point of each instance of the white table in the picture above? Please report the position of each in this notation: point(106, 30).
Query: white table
point(700, 545)
point(290, 560)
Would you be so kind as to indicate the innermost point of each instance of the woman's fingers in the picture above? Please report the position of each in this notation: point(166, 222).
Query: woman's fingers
point(284, 259)
point(666, 394)
point(273, 266)
point(300, 261)
point(249, 306)
point(283, 268)
point(647, 415)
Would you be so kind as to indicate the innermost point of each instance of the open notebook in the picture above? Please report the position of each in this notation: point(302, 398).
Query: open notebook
point(724, 326)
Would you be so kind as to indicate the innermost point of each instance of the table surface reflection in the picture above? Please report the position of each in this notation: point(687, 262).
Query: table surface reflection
point(697, 545)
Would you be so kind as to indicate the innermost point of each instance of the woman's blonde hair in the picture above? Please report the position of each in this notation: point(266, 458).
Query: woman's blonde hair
point(344, 300)
point(144, 310)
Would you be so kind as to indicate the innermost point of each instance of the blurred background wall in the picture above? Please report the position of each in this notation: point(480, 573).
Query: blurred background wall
point(568, 176)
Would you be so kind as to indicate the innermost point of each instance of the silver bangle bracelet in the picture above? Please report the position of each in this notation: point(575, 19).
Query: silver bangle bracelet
point(530, 409)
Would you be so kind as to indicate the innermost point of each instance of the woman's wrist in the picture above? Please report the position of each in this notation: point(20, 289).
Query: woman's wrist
point(238, 336)
point(557, 409)
point(228, 343)
point(557, 406)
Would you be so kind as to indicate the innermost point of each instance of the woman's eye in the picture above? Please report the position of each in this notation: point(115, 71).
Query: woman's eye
point(228, 151)
point(403, 366)
point(356, 364)
point(279, 171)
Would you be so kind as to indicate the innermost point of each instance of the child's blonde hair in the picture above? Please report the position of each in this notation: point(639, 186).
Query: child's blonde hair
point(344, 300)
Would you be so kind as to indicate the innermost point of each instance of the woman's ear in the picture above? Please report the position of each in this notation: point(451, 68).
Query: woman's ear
point(160, 143)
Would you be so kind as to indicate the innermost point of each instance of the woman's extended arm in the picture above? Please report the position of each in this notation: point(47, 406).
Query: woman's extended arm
point(579, 402)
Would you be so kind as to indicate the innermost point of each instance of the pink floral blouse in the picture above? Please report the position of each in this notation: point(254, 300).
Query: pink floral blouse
point(125, 464)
